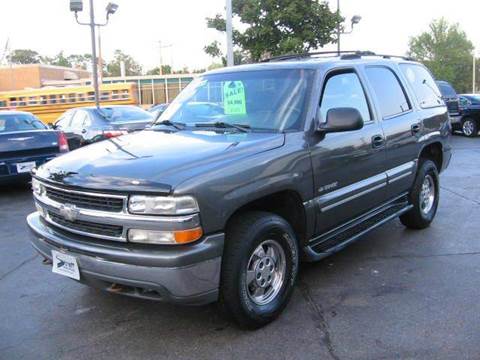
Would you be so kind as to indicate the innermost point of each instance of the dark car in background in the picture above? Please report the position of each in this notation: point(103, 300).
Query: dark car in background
point(157, 110)
point(451, 99)
point(470, 108)
point(25, 143)
point(87, 125)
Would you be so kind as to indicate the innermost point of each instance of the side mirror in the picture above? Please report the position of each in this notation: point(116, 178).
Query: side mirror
point(342, 119)
point(51, 126)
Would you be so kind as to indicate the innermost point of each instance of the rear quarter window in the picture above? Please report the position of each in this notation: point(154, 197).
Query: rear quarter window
point(423, 85)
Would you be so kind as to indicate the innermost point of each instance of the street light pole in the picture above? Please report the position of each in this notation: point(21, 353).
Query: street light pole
point(77, 6)
point(229, 33)
point(94, 55)
point(474, 74)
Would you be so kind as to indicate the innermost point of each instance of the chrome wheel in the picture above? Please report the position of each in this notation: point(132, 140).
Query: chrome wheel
point(266, 270)
point(468, 127)
point(427, 194)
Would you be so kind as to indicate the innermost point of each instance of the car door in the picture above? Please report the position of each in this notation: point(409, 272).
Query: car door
point(348, 167)
point(79, 120)
point(402, 126)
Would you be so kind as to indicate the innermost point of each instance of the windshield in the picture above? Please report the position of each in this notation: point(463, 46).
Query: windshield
point(125, 114)
point(447, 90)
point(265, 100)
point(19, 122)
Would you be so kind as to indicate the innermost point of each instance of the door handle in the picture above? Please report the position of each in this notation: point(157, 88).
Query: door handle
point(415, 128)
point(377, 141)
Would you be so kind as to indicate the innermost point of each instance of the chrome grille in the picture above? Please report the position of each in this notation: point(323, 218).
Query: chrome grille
point(87, 226)
point(85, 201)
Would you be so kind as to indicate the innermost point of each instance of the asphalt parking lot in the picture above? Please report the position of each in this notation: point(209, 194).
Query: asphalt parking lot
point(394, 294)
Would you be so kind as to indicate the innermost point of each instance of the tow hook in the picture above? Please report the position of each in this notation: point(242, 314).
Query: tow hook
point(115, 288)
point(46, 261)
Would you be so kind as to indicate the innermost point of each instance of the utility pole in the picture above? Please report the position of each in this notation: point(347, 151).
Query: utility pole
point(474, 74)
point(338, 27)
point(100, 59)
point(229, 33)
point(161, 56)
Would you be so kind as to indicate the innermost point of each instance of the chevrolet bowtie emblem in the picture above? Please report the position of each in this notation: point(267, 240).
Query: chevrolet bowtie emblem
point(69, 212)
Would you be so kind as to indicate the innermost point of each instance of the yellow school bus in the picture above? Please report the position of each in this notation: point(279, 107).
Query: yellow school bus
point(49, 103)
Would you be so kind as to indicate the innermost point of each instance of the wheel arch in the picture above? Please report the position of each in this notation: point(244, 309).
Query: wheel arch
point(433, 152)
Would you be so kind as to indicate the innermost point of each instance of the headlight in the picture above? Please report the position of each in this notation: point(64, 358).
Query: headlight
point(37, 187)
point(164, 237)
point(162, 205)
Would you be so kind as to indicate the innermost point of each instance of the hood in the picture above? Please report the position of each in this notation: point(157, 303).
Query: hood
point(152, 160)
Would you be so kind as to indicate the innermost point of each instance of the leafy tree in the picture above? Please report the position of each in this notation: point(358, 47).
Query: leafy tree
point(131, 66)
point(80, 61)
point(447, 52)
point(24, 56)
point(166, 69)
point(57, 60)
point(275, 27)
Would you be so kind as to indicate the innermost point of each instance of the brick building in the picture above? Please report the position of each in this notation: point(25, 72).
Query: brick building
point(19, 77)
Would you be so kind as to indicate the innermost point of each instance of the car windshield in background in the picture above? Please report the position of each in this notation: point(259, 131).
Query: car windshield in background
point(125, 114)
point(447, 90)
point(265, 100)
point(19, 122)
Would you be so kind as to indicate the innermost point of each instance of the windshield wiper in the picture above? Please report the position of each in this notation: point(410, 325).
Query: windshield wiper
point(224, 125)
point(176, 125)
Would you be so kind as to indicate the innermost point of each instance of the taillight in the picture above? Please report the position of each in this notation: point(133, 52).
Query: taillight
point(113, 133)
point(62, 142)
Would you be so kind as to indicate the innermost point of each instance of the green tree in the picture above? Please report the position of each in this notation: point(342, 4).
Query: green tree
point(57, 60)
point(80, 61)
point(24, 56)
point(275, 27)
point(131, 66)
point(447, 52)
point(166, 69)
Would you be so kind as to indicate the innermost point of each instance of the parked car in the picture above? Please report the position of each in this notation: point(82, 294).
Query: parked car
point(452, 100)
point(157, 110)
point(87, 125)
point(470, 108)
point(25, 142)
point(309, 155)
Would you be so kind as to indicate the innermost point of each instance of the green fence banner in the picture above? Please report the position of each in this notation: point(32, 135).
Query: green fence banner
point(234, 98)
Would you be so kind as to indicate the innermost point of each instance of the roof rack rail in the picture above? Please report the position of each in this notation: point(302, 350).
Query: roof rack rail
point(344, 55)
point(314, 53)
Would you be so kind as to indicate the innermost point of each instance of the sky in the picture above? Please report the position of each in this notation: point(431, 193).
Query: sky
point(48, 27)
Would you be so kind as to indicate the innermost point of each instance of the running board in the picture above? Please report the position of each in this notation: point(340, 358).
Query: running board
point(338, 238)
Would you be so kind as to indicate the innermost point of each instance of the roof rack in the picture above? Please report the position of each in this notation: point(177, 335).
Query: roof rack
point(344, 55)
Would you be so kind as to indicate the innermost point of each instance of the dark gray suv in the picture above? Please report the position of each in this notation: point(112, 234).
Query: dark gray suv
point(249, 171)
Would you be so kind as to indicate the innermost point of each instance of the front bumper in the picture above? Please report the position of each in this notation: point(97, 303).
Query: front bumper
point(188, 274)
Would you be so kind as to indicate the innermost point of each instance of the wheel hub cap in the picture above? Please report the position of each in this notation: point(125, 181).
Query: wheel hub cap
point(265, 272)
point(427, 194)
point(468, 128)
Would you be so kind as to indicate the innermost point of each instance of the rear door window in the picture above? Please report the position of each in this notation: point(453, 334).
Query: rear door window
point(79, 119)
point(344, 90)
point(423, 85)
point(391, 96)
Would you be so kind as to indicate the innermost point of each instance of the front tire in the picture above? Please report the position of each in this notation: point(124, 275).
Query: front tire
point(259, 268)
point(424, 196)
point(469, 127)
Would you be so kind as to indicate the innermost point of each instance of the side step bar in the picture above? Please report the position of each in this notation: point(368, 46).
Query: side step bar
point(338, 238)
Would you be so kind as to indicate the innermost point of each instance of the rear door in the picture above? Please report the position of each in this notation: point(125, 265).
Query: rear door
point(349, 167)
point(402, 126)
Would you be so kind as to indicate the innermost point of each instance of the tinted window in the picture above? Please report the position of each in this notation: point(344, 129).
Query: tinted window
point(344, 90)
point(19, 122)
point(423, 85)
point(446, 89)
point(389, 92)
point(125, 114)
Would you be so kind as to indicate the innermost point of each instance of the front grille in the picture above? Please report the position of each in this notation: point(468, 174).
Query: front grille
point(103, 203)
point(86, 226)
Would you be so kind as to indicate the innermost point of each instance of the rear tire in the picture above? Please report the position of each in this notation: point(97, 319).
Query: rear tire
point(424, 196)
point(259, 268)
point(469, 127)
